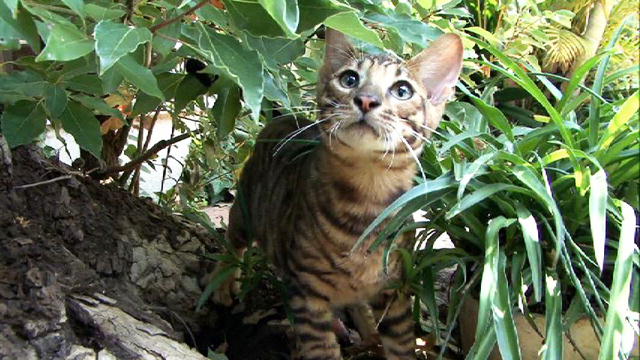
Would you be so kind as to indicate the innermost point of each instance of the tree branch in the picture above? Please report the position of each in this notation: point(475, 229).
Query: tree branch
point(162, 144)
point(155, 28)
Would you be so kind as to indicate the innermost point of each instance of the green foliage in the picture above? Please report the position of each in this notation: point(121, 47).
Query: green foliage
point(534, 175)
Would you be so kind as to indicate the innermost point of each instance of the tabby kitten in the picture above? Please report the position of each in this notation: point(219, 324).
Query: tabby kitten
point(307, 207)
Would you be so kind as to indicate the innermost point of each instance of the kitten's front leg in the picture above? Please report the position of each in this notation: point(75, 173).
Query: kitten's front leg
point(393, 311)
point(313, 328)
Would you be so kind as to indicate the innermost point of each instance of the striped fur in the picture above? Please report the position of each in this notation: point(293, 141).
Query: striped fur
point(307, 205)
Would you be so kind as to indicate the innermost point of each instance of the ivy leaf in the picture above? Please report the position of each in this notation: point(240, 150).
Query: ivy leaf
point(79, 121)
point(22, 122)
point(314, 12)
point(55, 99)
point(115, 40)
point(76, 5)
point(285, 13)
point(64, 43)
point(227, 106)
point(349, 23)
point(228, 55)
point(21, 27)
point(111, 80)
point(139, 76)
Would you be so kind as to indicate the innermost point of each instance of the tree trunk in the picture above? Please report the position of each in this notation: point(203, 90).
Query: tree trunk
point(87, 271)
point(594, 32)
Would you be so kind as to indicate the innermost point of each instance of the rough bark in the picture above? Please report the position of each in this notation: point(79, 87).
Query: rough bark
point(87, 271)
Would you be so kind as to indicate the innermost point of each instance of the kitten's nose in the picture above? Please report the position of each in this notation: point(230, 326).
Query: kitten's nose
point(366, 102)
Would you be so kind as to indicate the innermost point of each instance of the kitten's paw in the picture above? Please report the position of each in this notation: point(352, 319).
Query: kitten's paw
point(229, 288)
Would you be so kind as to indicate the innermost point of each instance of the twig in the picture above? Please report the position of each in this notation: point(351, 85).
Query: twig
point(166, 161)
point(63, 177)
point(155, 28)
point(162, 144)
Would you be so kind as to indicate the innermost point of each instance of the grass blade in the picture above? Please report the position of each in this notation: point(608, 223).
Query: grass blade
point(620, 288)
point(598, 214)
point(619, 121)
point(532, 244)
point(489, 274)
point(506, 332)
point(481, 194)
point(553, 345)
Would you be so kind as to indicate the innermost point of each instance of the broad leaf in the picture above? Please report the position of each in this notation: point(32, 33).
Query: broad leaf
point(349, 23)
point(55, 99)
point(115, 40)
point(80, 122)
point(76, 5)
point(228, 55)
point(409, 29)
point(314, 12)
point(598, 214)
point(284, 12)
point(21, 27)
point(139, 76)
point(276, 51)
point(227, 106)
point(65, 42)
point(252, 17)
point(22, 122)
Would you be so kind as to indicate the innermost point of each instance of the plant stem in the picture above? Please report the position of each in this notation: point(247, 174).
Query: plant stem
point(155, 28)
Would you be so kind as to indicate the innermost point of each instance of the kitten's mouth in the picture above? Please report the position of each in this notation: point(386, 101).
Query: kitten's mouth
point(363, 125)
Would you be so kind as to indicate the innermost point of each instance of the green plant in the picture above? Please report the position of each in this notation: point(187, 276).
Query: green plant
point(545, 213)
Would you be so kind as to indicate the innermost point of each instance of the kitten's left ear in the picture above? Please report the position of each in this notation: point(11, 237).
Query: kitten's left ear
point(439, 66)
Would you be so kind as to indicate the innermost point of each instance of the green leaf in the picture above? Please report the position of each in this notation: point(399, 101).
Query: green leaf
point(284, 12)
point(21, 85)
point(115, 40)
point(228, 55)
point(139, 76)
point(276, 51)
point(428, 187)
point(99, 13)
point(162, 43)
point(76, 5)
point(532, 244)
point(22, 122)
point(409, 29)
point(506, 332)
point(618, 310)
point(598, 214)
point(489, 281)
point(64, 43)
point(227, 106)
point(481, 194)
point(554, 345)
point(350, 24)
point(249, 15)
point(12, 5)
point(576, 80)
point(314, 12)
point(55, 99)
point(619, 121)
point(188, 90)
point(21, 27)
point(98, 106)
point(79, 121)
point(111, 80)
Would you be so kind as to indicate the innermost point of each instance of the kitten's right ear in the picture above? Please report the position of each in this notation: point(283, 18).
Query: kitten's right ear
point(338, 49)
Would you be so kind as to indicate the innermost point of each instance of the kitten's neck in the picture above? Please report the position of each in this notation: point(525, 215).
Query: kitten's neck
point(381, 177)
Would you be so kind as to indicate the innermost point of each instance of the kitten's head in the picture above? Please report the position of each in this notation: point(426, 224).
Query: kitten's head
point(379, 102)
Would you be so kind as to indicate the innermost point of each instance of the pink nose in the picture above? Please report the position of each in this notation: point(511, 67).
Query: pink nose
point(366, 103)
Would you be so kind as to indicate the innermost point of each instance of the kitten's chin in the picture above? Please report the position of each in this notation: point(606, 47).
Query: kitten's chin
point(362, 138)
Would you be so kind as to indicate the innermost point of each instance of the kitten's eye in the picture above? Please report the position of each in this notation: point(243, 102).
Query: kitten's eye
point(402, 90)
point(349, 79)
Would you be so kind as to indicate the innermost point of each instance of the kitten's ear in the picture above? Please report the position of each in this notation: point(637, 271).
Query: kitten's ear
point(338, 49)
point(438, 66)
